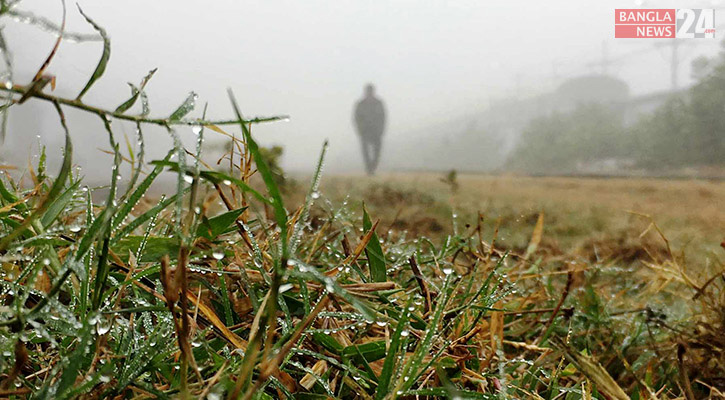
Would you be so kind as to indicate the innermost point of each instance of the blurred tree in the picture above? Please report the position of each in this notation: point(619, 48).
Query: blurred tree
point(561, 143)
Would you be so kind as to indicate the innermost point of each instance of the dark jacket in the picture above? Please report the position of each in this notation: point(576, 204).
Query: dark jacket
point(370, 117)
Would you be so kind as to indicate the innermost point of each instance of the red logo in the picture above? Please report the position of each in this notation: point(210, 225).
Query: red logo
point(644, 23)
point(664, 23)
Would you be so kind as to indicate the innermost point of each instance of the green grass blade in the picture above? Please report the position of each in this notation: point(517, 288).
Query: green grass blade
point(386, 374)
point(374, 252)
point(212, 227)
point(312, 194)
point(101, 67)
point(186, 107)
point(137, 194)
point(58, 205)
point(135, 93)
point(279, 212)
point(55, 189)
point(413, 366)
point(138, 221)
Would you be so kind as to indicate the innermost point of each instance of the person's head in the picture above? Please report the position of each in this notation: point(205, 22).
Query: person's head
point(369, 90)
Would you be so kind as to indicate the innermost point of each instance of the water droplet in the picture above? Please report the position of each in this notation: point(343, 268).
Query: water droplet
point(188, 178)
point(104, 326)
point(74, 228)
point(404, 332)
point(217, 255)
point(447, 271)
point(46, 261)
point(227, 182)
point(196, 129)
point(285, 287)
point(8, 85)
point(315, 195)
point(381, 323)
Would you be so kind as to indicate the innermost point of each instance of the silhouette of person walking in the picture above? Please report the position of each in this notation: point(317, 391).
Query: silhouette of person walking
point(370, 124)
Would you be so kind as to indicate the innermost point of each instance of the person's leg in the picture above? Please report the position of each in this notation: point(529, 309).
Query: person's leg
point(377, 145)
point(364, 143)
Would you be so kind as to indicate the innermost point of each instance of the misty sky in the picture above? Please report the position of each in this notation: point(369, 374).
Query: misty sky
point(431, 61)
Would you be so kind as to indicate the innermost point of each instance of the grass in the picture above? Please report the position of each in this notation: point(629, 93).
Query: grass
point(220, 290)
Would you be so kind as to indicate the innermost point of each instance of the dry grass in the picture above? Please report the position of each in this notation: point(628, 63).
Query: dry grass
point(579, 212)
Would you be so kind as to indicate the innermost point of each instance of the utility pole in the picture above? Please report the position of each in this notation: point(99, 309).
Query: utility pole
point(674, 61)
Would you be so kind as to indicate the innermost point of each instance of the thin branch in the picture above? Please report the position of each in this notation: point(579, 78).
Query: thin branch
point(20, 89)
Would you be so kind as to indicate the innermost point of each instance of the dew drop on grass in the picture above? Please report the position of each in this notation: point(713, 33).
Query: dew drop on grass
point(8, 84)
point(447, 271)
point(196, 129)
point(285, 287)
point(315, 195)
point(404, 332)
point(381, 323)
point(188, 178)
point(104, 326)
point(227, 182)
point(46, 261)
point(196, 343)
point(74, 228)
point(217, 255)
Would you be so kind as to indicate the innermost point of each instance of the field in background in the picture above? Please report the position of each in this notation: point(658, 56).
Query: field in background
point(595, 218)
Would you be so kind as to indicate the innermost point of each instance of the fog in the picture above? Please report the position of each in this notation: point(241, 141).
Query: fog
point(438, 66)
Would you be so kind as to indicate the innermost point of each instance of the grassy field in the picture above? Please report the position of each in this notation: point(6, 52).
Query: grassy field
point(583, 216)
point(235, 285)
point(473, 287)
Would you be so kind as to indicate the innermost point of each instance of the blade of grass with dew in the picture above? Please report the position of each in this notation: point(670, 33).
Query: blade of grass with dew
point(186, 107)
point(137, 194)
point(374, 252)
point(386, 374)
point(58, 205)
point(210, 228)
point(217, 177)
point(412, 367)
point(55, 189)
point(50, 26)
point(263, 168)
point(146, 216)
point(311, 273)
point(139, 158)
point(366, 352)
point(312, 194)
point(101, 67)
point(105, 231)
point(135, 93)
point(8, 75)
